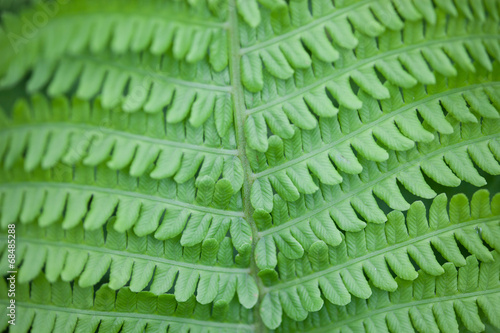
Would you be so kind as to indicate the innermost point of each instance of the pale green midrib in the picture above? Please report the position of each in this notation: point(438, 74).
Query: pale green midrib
point(94, 129)
point(239, 121)
point(358, 64)
point(191, 21)
point(157, 75)
point(381, 177)
point(314, 23)
point(371, 313)
point(135, 315)
point(372, 124)
point(118, 192)
point(124, 253)
point(415, 240)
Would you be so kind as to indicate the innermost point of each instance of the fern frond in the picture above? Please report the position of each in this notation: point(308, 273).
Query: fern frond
point(286, 57)
point(147, 83)
point(143, 204)
point(305, 97)
point(187, 32)
point(77, 132)
point(457, 299)
point(207, 270)
point(290, 31)
point(293, 227)
point(62, 307)
point(336, 273)
point(328, 149)
point(191, 160)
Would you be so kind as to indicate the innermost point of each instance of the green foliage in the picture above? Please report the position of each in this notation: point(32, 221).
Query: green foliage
point(367, 257)
point(74, 308)
point(251, 165)
point(451, 301)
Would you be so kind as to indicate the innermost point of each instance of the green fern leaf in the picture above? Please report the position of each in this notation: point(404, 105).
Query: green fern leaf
point(427, 303)
point(250, 165)
point(83, 309)
point(380, 246)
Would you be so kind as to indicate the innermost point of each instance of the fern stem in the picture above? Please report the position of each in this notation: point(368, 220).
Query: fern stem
point(147, 15)
point(134, 315)
point(91, 130)
point(150, 72)
point(119, 192)
point(239, 119)
point(107, 251)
